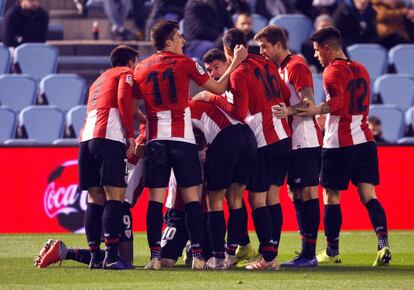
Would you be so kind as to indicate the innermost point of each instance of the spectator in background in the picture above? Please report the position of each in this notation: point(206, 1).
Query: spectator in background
point(117, 13)
point(204, 24)
point(356, 20)
point(393, 20)
point(323, 7)
point(374, 124)
point(164, 10)
point(244, 22)
point(25, 22)
point(322, 21)
point(271, 8)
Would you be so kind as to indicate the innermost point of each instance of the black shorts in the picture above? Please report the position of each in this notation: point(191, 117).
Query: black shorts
point(271, 166)
point(162, 155)
point(102, 162)
point(304, 167)
point(229, 158)
point(126, 234)
point(358, 163)
point(175, 235)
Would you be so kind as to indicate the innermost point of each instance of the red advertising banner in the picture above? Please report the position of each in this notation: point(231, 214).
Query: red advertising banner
point(40, 193)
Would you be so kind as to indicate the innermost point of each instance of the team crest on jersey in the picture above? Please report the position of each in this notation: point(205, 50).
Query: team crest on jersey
point(129, 80)
point(200, 68)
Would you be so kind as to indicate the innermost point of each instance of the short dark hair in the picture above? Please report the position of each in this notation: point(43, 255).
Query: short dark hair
point(272, 34)
point(214, 54)
point(233, 37)
point(328, 35)
point(374, 120)
point(122, 54)
point(162, 31)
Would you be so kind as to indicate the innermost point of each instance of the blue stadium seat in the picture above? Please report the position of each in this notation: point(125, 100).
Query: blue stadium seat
point(406, 140)
point(8, 124)
point(75, 118)
point(401, 56)
point(409, 117)
point(36, 59)
point(298, 26)
point(319, 92)
point(258, 22)
point(66, 141)
point(42, 123)
point(20, 142)
point(392, 121)
point(17, 91)
point(63, 90)
point(4, 59)
point(396, 89)
point(372, 56)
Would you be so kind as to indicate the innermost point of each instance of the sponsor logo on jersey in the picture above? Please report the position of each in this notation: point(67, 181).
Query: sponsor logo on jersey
point(200, 68)
point(129, 80)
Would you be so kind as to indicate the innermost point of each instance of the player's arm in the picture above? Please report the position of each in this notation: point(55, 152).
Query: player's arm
point(239, 89)
point(220, 86)
point(334, 87)
point(125, 106)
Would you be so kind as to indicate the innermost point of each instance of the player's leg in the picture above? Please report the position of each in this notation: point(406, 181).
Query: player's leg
point(126, 241)
point(337, 164)
point(187, 169)
point(157, 175)
point(93, 224)
point(365, 177)
point(90, 179)
point(174, 238)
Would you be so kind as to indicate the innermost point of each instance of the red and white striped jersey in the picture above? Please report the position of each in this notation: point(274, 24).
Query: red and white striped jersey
point(347, 88)
point(257, 87)
point(109, 111)
point(210, 119)
point(163, 82)
point(296, 74)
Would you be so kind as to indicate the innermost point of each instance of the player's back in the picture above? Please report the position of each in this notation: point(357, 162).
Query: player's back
point(163, 82)
point(210, 119)
point(347, 84)
point(265, 90)
point(102, 117)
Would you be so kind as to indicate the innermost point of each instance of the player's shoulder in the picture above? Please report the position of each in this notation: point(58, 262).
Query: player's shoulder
point(298, 63)
point(120, 70)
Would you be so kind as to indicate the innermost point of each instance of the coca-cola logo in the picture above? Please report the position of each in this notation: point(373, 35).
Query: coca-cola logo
point(63, 198)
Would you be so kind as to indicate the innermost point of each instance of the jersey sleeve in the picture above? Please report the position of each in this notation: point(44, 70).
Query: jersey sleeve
point(240, 91)
point(125, 106)
point(197, 73)
point(332, 80)
point(300, 77)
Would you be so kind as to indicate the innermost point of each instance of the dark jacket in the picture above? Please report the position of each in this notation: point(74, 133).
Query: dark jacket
point(205, 20)
point(22, 26)
point(355, 27)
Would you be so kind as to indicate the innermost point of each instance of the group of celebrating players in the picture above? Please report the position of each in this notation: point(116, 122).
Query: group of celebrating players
point(253, 126)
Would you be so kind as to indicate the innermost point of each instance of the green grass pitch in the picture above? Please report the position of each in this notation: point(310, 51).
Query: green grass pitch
point(358, 251)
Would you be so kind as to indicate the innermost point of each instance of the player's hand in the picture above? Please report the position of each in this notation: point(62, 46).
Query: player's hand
point(280, 111)
point(130, 148)
point(240, 54)
point(307, 109)
point(203, 96)
point(139, 150)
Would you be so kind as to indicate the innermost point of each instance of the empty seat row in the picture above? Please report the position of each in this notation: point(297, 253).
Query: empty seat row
point(43, 124)
point(35, 59)
point(376, 58)
point(62, 90)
